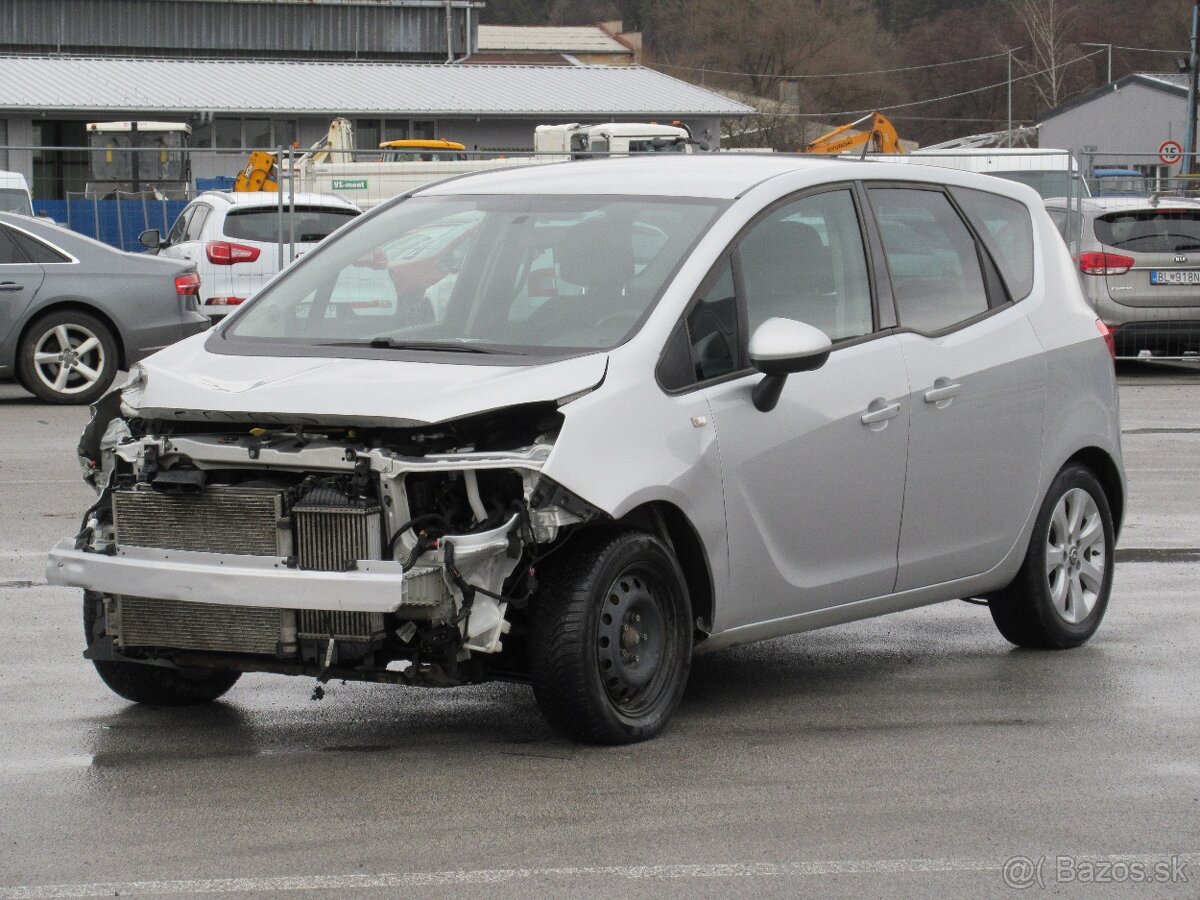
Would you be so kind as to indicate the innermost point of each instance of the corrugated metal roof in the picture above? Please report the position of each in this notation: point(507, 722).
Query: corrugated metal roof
point(550, 39)
point(330, 88)
point(245, 30)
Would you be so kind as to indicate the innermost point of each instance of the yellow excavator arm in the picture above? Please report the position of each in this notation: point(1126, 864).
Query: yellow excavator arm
point(259, 174)
point(881, 136)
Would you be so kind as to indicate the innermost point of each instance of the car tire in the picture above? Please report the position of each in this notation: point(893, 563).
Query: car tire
point(74, 376)
point(155, 685)
point(611, 637)
point(1061, 593)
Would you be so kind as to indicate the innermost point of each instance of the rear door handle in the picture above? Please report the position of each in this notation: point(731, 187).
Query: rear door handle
point(942, 392)
point(11, 286)
point(879, 412)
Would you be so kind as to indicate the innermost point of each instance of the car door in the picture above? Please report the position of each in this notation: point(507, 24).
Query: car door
point(977, 375)
point(172, 246)
point(814, 487)
point(19, 282)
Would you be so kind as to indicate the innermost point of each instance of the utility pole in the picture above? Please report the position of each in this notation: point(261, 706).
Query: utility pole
point(1189, 147)
point(1010, 60)
point(1109, 48)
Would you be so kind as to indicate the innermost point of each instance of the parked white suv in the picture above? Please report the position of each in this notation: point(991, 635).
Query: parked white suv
point(234, 239)
point(661, 406)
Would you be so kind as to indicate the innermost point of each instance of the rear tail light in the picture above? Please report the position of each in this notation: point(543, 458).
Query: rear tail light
point(224, 301)
point(1105, 263)
point(187, 284)
point(1110, 337)
point(223, 253)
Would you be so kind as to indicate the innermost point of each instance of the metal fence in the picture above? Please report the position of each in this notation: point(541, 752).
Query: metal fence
point(1153, 301)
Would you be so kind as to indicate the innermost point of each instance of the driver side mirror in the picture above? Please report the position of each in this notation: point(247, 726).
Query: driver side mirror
point(151, 239)
point(780, 347)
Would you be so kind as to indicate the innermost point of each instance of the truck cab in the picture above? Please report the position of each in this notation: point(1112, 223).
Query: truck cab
point(576, 141)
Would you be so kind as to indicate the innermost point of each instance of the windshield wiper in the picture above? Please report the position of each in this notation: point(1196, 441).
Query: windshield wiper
point(387, 343)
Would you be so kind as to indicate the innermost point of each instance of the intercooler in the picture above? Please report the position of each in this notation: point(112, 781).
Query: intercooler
point(242, 520)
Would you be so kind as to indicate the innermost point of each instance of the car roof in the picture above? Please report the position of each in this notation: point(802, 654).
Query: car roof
point(269, 198)
point(717, 176)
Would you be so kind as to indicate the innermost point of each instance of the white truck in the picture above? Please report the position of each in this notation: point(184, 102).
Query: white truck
point(367, 184)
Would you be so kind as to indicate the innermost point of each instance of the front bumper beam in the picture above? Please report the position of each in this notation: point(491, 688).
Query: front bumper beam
point(231, 579)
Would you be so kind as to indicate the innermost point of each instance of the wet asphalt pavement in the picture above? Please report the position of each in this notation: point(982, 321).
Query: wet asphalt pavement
point(910, 755)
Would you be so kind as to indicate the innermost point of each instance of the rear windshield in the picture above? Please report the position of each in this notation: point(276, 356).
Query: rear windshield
point(312, 223)
point(1150, 230)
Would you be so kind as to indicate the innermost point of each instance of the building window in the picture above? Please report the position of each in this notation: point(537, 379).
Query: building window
point(228, 134)
point(258, 134)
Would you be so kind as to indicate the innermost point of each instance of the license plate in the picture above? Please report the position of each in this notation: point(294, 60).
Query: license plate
point(1169, 276)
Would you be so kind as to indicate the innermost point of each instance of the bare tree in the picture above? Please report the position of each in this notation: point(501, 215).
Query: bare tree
point(1048, 24)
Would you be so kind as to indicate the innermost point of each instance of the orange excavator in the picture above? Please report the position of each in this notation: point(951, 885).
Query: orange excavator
point(879, 137)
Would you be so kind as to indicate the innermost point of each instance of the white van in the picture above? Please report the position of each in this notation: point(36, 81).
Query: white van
point(14, 194)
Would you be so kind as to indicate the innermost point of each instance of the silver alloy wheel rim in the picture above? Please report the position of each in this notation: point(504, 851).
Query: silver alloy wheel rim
point(69, 359)
point(1076, 556)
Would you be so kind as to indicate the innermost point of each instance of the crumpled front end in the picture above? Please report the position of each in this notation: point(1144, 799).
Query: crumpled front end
point(392, 554)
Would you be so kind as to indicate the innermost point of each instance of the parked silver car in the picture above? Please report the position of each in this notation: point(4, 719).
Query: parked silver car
point(667, 406)
point(73, 311)
point(1139, 264)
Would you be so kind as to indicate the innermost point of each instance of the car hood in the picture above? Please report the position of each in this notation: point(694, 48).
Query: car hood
point(186, 382)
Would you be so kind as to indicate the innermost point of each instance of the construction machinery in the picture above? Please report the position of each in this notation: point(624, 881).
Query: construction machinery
point(879, 137)
point(261, 172)
point(131, 157)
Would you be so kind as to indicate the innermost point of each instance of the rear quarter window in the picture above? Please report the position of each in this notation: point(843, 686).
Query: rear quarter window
point(1008, 223)
point(311, 224)
point(1150, 230)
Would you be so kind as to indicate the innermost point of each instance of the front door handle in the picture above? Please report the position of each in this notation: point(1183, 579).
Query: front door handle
point(943, 391)
point(879, 412)
point(11, 286)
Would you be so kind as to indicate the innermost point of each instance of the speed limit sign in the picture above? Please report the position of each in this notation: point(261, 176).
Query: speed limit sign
point(1170, 152)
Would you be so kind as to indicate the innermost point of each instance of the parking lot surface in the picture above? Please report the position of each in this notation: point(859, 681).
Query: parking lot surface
point(910, 755)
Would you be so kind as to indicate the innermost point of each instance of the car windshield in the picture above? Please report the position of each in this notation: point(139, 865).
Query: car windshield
point(1151, 230)
point(510, 274)
point(15, 200)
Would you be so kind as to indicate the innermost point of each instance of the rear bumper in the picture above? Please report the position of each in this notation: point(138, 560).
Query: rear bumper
point(230, 579)
point(1162, 337)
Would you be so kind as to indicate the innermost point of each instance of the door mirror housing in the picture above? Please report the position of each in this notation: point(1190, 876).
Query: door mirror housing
point(151, 239)
point(780, 347)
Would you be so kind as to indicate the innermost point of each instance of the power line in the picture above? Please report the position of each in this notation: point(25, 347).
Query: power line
point(952, 62)
point(1149, 50)
point(980, 90)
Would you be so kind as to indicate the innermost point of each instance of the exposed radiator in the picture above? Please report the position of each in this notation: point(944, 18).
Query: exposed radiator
point(344, 626)
point(219, 520)
point(331, 538)
point(143, 622)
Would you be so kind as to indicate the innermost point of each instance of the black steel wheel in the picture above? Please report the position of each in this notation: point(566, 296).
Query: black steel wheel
point(611, 638)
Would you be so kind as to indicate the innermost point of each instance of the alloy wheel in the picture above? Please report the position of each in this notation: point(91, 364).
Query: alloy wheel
point(69, 359)
point(1076, 556)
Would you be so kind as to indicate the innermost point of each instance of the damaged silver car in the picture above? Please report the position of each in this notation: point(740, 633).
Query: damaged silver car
point(569, 425)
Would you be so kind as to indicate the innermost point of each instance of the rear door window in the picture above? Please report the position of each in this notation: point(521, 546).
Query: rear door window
point(1008, 224)
point(1150, 230)
point(35, 250)
point(932, 257)
point(311, 224)
point(10, 253)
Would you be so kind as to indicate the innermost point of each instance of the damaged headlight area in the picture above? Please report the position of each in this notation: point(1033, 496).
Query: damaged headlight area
point(383, 554)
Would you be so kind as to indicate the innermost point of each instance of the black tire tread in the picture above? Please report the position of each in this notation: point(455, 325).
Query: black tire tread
point(559, 635)
point(155, 685)
point(1022, 610)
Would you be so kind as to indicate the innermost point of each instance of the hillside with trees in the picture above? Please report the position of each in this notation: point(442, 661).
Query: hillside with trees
point(938, 68)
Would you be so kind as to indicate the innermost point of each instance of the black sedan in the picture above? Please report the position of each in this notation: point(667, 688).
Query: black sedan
point(73, 311)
